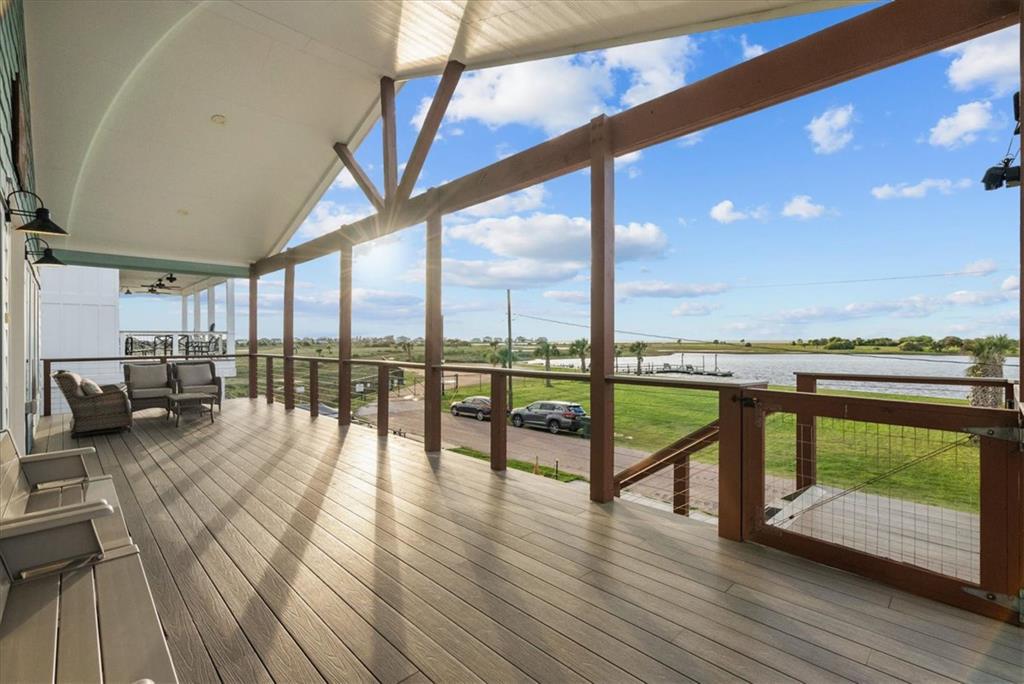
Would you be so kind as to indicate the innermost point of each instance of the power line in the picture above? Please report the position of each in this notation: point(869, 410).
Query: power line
point(749, 345)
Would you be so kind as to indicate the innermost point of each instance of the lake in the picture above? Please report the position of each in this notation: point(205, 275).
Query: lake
point(778, 369)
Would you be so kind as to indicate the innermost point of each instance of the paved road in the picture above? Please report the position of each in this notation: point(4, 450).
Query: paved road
point(571, 452)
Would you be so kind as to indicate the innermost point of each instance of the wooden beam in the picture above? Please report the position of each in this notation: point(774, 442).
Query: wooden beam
point(891, 34)
point(435, 114)
point(361, 179)
point(433, 339)
point(602, 311)
point(253, 334)
point(389, 140)
point(289, 337)
point(345, 335)
point(499, 423)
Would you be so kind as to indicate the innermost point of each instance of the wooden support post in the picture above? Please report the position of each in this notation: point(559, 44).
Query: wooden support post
point(314, 389)
point(345, 336)
point(270, 380)
point(806, 437)
point(253, 334)
point(433, 339)
point(730, 464)
point(1002, 517)
point(602, 311)
point(1009, 400)
point(360, 177)
point(681, 486)
point(383, 397)
point(47, 387)
point(289, 337)
point(389, 140)
point(499, 424)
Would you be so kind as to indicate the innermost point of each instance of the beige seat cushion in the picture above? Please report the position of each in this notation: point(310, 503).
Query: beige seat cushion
point(191, 375)
point(151, 392)
point(207, 389)
point(144, 376)
point(91, 388)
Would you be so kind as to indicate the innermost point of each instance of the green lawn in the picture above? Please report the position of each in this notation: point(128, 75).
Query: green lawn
point(542, 470)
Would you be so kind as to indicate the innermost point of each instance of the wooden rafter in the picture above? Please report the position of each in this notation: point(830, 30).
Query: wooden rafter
point(431, 124)
point(389, 139)
point(362, 180)
point(883, 37)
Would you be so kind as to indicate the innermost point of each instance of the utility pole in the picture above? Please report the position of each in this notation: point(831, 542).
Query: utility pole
point(508, 310)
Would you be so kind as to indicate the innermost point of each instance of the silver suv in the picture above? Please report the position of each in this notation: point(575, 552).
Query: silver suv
point(553, 415)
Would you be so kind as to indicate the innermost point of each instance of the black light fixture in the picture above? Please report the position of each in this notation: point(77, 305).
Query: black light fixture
point(40, 249)
point(41, 223)
point(171, 278)
point(152, 290)
point(1004, 174)
point(127, 290)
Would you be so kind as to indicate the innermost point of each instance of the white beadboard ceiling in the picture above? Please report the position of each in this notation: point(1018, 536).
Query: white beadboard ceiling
point(122, 95)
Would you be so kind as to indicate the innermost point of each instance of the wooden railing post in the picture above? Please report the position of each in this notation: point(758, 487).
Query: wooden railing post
point(806, 437)
point(1002, 517)
point(289, 337)
point(499, 424)
point(1010, 395)
point(383, 396)
point(253, 336)
point(314, 389)
point(345, 335)
point(681, 487)
point(433, 339)
point(730, 464)
point(602, 311)
point(270, 380)
point(47, 387)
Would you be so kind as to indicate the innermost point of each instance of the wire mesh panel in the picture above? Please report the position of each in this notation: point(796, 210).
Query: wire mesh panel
point(908, 494)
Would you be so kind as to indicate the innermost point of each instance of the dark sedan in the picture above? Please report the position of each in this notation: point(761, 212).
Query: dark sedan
point(478, 407)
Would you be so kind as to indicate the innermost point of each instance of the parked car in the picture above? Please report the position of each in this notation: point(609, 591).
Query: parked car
point(553, 415)
point(478, 407)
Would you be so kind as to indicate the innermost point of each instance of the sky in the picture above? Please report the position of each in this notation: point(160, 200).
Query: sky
point(854, 211)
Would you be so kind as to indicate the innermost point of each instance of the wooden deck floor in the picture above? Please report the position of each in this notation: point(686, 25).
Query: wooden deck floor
point(281, 548)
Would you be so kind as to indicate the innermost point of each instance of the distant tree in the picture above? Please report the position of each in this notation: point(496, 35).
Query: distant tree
point(546, 350)
point(579, 348)
point(989, 355)
point(406, 346)
point(639, 348)
point(949, 342)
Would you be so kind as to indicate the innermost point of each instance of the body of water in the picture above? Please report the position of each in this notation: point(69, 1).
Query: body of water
point(778, 369)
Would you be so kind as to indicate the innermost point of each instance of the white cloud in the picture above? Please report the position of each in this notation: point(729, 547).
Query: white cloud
point(573, 296)
point(1010, 284)
point(536, 237)
point(509, 273)
point(921, 189)
point(962, 127)
point(384, 304)
point(328, 216)
point(830, 131)
point(656, 67)
point(750, 50)
point(979, 298)
point(992, 61)
point(524, 200)
point(627, 163)
point(726, 212)
point(344, 180)
point(801, 207)
point(691, 139)
point(665, 290)
point(981, 267)
point(693, 309)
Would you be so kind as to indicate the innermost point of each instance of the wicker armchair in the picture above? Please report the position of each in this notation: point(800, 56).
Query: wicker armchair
point(111, 410)
point(149, 385)
point(198, 376)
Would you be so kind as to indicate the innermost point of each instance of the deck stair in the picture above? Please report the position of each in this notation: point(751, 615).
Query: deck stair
point(676, 452)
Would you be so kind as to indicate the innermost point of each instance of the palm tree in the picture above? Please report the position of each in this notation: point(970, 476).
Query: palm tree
point(580, 348)
point(407, 348)
point(546, 350)
point(639, 348)
point(989, 355)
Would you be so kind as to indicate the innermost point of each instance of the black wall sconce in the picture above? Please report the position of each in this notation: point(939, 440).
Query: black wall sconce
point(38, 249)
point(41, 222)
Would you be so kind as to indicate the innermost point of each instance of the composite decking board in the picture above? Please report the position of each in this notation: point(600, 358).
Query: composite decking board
point(233, 654)
point(698, 617)
point(188, 650)
point(270, 638)
point(491, 540)
point(315, 590)
point(940, 648)
point(275, 519)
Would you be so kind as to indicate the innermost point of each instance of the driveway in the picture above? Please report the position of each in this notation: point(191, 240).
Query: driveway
point(569, 451)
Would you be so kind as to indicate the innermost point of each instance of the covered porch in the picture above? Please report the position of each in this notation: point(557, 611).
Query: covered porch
point(282, 547)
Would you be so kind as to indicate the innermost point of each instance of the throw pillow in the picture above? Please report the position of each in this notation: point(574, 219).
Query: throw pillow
point(91, 388)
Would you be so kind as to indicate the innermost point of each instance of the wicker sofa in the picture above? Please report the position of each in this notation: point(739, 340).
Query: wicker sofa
point(198, 376)
point(109, 410)
point(149, 385)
